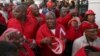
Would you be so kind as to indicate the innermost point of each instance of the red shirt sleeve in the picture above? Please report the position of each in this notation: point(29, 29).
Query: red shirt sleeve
point(39, 36)
point(13, 23)
point(65, 19)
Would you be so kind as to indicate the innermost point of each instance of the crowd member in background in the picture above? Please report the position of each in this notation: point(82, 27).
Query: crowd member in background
point(3, 12)
point(49, 7)
point(89, 38)
point(57, 8)
point(72, 4)
point(71, 23)
point(58, 5)
point(65, 3)
point(73, 30)
point(29, 2)
point(14, 36)
point(73, 33)
point(21, 22)
point(65, 16)
point(45, 33)
point(38, 19)
point(9, 8)
point(89, 17)
point(8, 49)
point(73, 27)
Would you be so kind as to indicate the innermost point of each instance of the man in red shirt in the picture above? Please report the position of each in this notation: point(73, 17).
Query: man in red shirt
point(39, 19)
point(65, 16)
point(46, 32)
point(21, 22)
point(89, 38)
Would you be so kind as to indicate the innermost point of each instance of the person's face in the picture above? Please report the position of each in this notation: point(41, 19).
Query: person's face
point(91, 18)
point(58, 3)
point(91, 33)
point(64, 12)
point(35, 11)
point(50, 20)
point(18, 12)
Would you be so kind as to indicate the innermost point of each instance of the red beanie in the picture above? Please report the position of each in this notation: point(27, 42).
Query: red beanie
point(50, 4)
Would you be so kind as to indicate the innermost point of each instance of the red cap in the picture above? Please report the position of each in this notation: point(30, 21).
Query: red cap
point(87, 25)
point(89, 12)
point(50, 4)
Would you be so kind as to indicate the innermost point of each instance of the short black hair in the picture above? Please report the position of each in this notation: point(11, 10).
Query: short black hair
point(8, 49)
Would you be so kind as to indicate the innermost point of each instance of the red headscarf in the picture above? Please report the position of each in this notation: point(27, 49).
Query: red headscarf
point(50, 4)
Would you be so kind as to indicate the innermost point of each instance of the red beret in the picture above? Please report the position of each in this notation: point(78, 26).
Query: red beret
point(50, 4)
point(88, 25)
point(90, 12)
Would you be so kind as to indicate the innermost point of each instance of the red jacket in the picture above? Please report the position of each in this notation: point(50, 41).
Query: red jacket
point(64, 20)
point(27, 28)
point(36, 23)
point(43, 32)
point(72, 31)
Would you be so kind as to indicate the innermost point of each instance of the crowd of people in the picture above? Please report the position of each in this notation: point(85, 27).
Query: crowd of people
point(54, 29)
